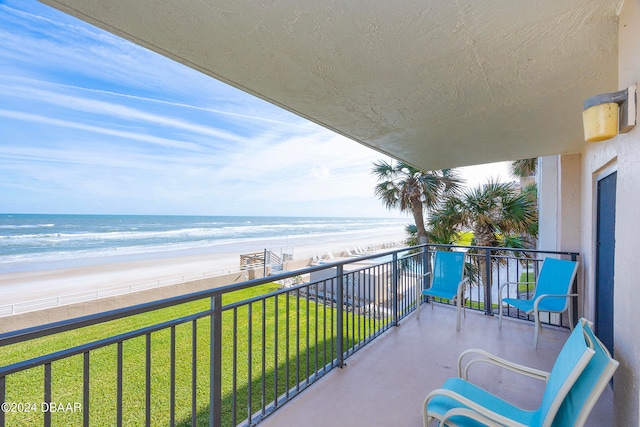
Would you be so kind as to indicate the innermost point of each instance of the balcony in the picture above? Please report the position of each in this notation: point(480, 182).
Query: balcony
point(341, 338)
point(385, 384)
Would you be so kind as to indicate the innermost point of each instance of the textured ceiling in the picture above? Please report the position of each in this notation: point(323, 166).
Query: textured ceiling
point(435, 83)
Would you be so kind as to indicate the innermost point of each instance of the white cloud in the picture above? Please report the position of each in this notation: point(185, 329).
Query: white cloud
point(137, 136)
point(321, 173)
point(480, 174)
point(94, 124)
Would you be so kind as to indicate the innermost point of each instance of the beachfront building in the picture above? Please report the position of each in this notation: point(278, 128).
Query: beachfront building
point(446, 84)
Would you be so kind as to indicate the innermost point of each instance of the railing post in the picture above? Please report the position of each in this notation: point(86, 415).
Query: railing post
point(487, 285)
point(394, 287)
point(3, 390)
point(215, 363)
point(426, 268)
point(47, 393)
point(340, 314)
point(264, 263)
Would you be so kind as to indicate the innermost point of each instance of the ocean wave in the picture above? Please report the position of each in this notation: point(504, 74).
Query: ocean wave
point(74, 237)
point(246, 243)
point(23, 226)
point(193, 232)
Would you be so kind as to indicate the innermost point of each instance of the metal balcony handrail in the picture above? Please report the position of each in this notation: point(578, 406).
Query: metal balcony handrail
point(360, 302)
point(26, 334)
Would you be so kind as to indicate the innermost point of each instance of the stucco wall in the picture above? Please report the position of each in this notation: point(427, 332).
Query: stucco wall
point(621, 154)
point(627, 292)
point(559, 181)
point(570, 192)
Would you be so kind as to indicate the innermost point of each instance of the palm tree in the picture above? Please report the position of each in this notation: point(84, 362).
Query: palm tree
point(497, 213)
point(405, 187)
point(525, 170)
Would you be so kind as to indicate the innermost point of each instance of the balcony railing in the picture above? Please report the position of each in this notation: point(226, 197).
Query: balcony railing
point(230, 355)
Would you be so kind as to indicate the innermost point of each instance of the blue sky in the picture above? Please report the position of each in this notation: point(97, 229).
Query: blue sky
point(90, 123)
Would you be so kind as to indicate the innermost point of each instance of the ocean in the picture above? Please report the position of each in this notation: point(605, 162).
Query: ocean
point(44, 241)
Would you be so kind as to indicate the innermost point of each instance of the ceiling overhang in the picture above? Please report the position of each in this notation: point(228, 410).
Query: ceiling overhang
point(435, 83)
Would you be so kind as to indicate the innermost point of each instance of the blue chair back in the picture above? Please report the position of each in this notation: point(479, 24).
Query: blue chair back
point(556, 277)
point(572, 360)
point(585, 392)
point(448, 268)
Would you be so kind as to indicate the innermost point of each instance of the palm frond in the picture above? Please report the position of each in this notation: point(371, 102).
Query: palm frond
point(523, 168)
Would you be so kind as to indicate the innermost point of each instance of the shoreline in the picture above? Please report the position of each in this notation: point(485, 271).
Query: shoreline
point(45, 280)
point(309, 242)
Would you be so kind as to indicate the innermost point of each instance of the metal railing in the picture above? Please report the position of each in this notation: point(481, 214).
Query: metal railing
point(225, 356)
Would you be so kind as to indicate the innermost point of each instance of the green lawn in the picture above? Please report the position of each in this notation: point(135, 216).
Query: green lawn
point(307, 351)
point(523, 286)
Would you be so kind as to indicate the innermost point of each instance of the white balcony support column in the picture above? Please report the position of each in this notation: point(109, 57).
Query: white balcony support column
point(559, 192)
point(569, 201)
point(548, 208)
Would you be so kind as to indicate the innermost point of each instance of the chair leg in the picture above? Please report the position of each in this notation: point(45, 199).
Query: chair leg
point(458, 315)
point(500, 314)
point(426, 419)
point(570, 314)
point(536, 315)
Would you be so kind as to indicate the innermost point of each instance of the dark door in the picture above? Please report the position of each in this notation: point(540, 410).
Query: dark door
point(605, 256)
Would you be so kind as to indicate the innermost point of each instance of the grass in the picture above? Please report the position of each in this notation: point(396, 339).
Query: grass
point(524, 287)
point(480, 305)
point(297, 351)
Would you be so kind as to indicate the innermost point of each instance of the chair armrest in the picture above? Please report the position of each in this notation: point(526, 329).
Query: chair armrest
point(537, 301)
point(498, 361)
point(460, 291)
point(499, 419)
point(468, 413)
point(424, 276)
point(500, 291)
point(419, 285)
point(462, 283)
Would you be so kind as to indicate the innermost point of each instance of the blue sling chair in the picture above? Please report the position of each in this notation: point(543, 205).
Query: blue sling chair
point(579, 376)
point(552, 293)
point(447, 280)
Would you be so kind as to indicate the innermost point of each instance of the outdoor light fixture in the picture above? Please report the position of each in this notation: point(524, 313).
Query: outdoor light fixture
point(607, 114)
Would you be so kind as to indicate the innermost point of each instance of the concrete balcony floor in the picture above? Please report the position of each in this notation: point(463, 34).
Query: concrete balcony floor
point(385, 383)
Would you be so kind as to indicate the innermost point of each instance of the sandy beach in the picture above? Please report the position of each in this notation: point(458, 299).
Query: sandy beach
point(46, 281)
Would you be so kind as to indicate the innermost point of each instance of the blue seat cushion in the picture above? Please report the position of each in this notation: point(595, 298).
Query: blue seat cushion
point(439, 405)
point(525, 305)
point(439, 293)
point(546, 304)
